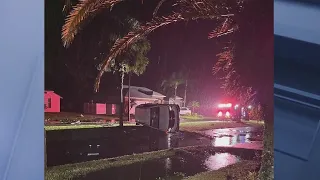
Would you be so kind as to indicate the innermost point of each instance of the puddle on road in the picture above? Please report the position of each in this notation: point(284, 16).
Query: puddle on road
point(233, 136)
point(173, 168)
point(220, 160)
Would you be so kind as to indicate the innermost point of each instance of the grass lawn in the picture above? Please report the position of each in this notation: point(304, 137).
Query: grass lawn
point(71, 171)
point(254, 122)
point(192, 117)
point(208, 125)
point(193, 126)
point(75, 116)
point(244, 170)
point(84, 126)
point(51, 128)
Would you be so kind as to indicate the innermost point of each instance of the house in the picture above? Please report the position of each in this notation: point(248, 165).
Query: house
point(178, 100)
point(111, 99)
point(95, 108)
point(51, 101)
point(141, 95)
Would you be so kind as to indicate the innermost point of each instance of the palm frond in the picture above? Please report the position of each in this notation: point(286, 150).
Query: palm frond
point(226, 28)
point(232, 85)
point(186, 10)
point(79, 14)
point(122, 44)
point(158, 7)
point(67, 6)
point(225, 60)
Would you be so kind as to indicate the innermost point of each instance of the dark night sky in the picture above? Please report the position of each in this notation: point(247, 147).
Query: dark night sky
point(172, 47)
point(178, 45)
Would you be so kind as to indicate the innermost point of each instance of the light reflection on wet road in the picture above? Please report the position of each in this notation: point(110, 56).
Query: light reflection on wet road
point(220, 160)
point(235, 137)
point(172, 168)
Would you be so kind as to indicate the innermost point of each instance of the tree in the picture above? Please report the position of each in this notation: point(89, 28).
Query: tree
point(77, 65)
point(256, 113)
point(133, 61)
point(181, 11)
point(186, 76)
point(250, 74)
point(224, 11)
point(173, 82)
point(194, 105)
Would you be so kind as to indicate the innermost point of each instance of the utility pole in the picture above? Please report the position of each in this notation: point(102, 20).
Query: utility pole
point(121, 98)
point(185, 94)
point(129, 102)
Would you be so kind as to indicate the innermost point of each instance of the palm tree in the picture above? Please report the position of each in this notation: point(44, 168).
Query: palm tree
point(194, 105)
point(174, 81)
point(183, 10)
point(133, 61)
point(186, 76)
point(224, 11)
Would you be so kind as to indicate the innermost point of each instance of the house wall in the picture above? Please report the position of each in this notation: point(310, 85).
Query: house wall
point(101, 108)
point(95, 108)
point(112, 109)
point(55, 102)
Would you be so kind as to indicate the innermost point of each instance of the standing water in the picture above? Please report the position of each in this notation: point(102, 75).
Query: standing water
point(136, 140)
point(245, 137)
point(172, 168)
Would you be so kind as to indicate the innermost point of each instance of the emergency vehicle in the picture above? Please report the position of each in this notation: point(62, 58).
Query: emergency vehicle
point(228, 111)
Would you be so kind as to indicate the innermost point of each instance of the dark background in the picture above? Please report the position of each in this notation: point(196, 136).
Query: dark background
point(177, 47)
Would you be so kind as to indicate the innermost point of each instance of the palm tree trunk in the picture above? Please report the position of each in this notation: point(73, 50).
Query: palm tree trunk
point(121, 101)
point(267, 165)
point(175, 93)
point(185, 94)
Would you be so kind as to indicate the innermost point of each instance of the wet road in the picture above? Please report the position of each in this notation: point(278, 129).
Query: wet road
point(204, 119)
point(137, 140)
point(172, 168)
point(244, 137)
point(108, 144)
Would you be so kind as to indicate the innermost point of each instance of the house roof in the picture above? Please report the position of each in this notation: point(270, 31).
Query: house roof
point(177, 97)
point(142, 93)
point(172, 98)
point(50, 91)
point(154, 105)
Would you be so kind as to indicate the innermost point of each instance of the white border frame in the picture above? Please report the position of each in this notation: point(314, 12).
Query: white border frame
point(297, 21)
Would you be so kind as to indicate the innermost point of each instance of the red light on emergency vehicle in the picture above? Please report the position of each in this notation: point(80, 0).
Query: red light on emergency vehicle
point(225, 105)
